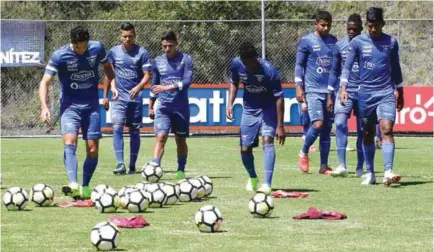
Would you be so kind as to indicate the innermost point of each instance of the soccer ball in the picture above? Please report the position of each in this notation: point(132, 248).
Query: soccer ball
point(208, 219)
point(137, 201)
point(123, 194)
point(261, 205)
point(15, 198)
point(200, 189)
point(207, 184)
point(105, 236)
point(172, 193)
point(98, 190)
point(158, 196)
point(187, 192)
point(107, 202)
point(42, 194)
point(152, 173)
point(142, 185)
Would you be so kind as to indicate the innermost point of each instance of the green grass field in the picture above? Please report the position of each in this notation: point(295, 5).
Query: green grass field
point(379, 218)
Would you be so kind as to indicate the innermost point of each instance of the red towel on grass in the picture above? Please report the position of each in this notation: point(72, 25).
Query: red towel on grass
point(133, 222)
point(78, 203)
point(314, 214)
point(286, 194)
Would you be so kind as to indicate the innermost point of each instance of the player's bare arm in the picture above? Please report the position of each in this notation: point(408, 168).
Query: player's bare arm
point(43, 97)
point(108, 77)
point(280, 131)
point(139, 87)
point(233, 90)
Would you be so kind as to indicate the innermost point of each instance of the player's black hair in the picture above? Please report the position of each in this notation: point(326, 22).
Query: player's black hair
point(247, 50)
point(79, 34)
point(374, 15)
point(323, 15)
point(127, 26)
point(355, 18)
point(170, 35)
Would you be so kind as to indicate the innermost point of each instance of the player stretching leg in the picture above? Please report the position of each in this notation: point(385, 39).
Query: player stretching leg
point(132, 70)
point(313, 64)
point(263, 107)
point(172, 74)
point(343, 111)
point(77, 67)
point(380, 73)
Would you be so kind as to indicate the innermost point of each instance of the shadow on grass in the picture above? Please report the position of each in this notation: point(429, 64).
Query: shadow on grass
point(412, 183)
point(120, 249)
point(294, 190)
point(219, 177)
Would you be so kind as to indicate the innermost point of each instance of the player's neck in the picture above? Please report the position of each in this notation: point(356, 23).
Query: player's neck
point(128, 48)
point(172, 56)
point(319, 35)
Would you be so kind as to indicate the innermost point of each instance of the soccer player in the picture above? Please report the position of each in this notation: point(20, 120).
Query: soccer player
point(343, 111)
point(305, 122)
point(172, 74)
point(380, 73)
point(263, 107)
point(77, 67)
point(132, 70)
point(313, 65)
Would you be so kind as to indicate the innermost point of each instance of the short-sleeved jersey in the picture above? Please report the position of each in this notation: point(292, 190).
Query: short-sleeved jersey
point(176, 71)
point(314, 62)
point(378, 60)
point(78, 74)
point(129, 68)
point(262, 87)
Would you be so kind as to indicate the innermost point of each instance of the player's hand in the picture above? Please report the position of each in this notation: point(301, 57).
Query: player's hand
point(230, 113)
point(115, 94)
point(134, 92)
point(106, 103)
point(46, 116)
point(329, 103)
point(280, 134)
point(151, 113)
point(400, 102)
point(303, 106)
point(299, 94)
point(343, 97)
point(156, 89)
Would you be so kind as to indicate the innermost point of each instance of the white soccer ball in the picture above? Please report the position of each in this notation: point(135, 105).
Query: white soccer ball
point(15, 198)
point(261, 205)
point(123, 194)
point(107, 202)
point(158, 196)
point(208, 219)
point(172, 193)
point(105, 236)
point(98, 190)
point(187, 192)
point(200, 189)
point(152, 173)
point(142, 185)
point(42, 195)
point(207, 184)
point(138, 201)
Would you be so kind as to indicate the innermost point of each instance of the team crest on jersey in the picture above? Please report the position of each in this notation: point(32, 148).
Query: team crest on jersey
point(91, 60)
point(316, 48)
point(259, 78)
point(135, 60)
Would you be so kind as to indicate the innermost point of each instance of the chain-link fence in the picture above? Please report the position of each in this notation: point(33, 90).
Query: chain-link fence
point(212, 44)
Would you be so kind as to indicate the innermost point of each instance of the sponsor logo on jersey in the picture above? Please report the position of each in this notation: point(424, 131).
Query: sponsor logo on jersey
point(316, 48)
point(82, 75)
point(255, 89)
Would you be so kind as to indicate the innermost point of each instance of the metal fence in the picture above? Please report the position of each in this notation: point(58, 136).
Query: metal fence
point(212, 43)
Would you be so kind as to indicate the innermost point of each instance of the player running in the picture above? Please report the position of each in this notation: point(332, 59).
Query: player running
point(313, 65)
point(172, 74)
point(343, 111)
point(132, 70)
point(263, 107)
point(77, 67)
point(380, 73)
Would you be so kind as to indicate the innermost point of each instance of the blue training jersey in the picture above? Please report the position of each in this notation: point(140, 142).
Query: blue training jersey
point(176, 71)
point(379, 67)
point(314, 62)
point(262, 87)
point(338, 64)
point(78, 74)
point(129, 68)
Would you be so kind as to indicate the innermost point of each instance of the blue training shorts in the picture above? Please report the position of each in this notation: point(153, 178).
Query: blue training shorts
point(177, 120)
point(88, 119)
point(376, 107)
point(351, 105)
point(128, 113)
point(317, 107)
point(251, 122)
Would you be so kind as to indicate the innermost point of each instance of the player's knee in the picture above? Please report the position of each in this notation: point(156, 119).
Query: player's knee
point(92, 152)
point(180, 140)
point(387, 130)
point(161, 137)
point(267, 140)
point(246, 149)
point(318, 124)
